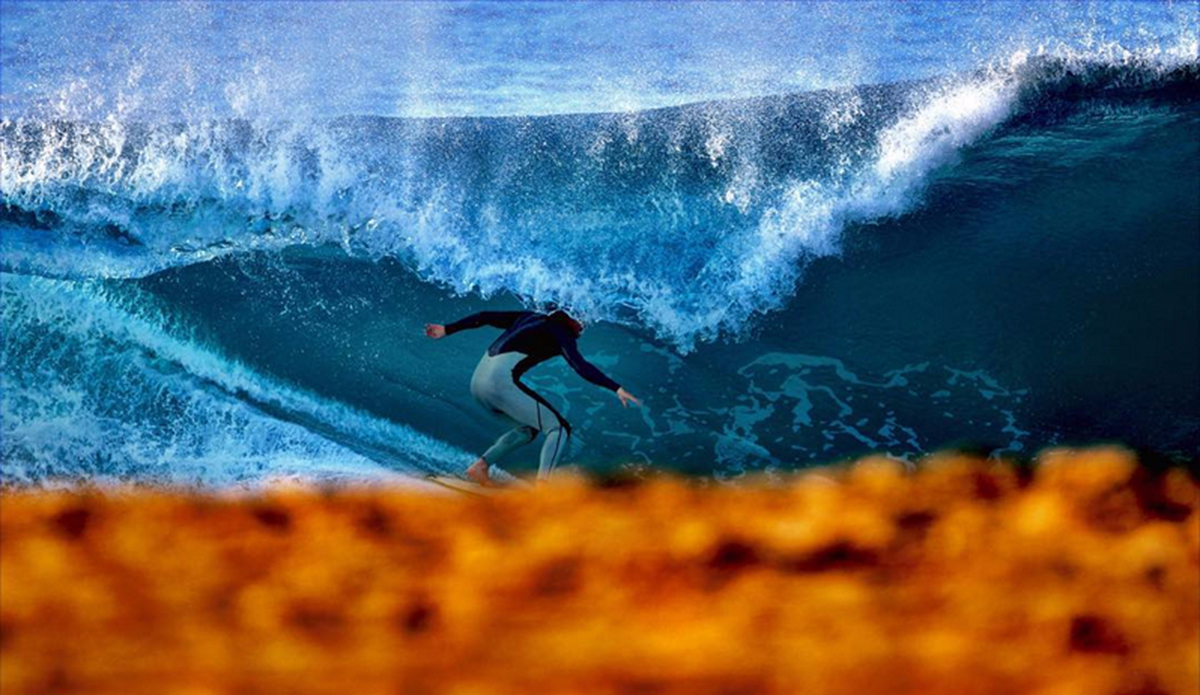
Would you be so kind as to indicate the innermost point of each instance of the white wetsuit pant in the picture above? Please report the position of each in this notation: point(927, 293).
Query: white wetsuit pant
point(496, 389)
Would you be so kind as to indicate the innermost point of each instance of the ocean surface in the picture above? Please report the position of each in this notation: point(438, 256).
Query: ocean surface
point(799, 232)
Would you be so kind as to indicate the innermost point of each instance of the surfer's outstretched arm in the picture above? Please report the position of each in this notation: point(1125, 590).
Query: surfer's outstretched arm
point(589, 371)
point(498, 319)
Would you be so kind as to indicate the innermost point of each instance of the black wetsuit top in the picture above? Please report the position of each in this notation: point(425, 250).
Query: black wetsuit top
point(538, 336)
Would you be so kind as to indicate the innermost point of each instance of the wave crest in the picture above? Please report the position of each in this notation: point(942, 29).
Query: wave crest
point(689, 219)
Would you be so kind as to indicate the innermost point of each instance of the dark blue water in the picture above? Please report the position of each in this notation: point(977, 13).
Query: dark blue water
point(799, 232)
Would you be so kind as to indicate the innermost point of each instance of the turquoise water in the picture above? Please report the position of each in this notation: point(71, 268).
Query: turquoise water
point(800, 232)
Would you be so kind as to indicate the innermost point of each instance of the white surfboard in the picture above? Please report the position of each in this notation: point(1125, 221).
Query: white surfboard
point(472, 488)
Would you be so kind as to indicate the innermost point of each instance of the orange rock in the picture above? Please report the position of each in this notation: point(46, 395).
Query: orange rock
point(961, 577)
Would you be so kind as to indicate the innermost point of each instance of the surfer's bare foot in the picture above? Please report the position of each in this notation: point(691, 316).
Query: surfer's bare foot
point(478, 473)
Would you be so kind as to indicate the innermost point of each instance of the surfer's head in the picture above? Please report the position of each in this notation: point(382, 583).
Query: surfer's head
point(567, 320)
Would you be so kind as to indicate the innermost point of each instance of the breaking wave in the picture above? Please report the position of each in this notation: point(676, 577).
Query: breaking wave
point(688, 220)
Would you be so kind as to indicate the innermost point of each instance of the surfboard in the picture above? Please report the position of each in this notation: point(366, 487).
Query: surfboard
point(471, 488)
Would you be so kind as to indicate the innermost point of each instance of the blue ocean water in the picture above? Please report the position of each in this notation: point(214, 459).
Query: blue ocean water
point(800, 231)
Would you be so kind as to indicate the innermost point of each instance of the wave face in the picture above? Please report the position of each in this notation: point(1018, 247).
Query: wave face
point(206, 285)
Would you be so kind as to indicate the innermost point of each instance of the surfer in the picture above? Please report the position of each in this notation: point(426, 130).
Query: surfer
point(529, 338)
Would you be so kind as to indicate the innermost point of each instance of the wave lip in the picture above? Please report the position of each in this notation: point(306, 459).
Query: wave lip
point(690, 219)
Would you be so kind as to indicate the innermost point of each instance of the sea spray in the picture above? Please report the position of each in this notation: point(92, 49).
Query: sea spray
point(688, 220)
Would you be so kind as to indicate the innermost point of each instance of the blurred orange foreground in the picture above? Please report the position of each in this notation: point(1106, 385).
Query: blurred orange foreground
point(964, 577)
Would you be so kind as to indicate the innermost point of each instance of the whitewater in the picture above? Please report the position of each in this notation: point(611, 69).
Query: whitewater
point(807, 240)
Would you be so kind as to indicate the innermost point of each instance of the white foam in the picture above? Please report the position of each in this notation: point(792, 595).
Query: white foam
point(115, 392)
point(809, 217)
point(209, 188)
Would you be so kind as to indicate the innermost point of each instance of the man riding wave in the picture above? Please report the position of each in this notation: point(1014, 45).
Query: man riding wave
point(529, 338)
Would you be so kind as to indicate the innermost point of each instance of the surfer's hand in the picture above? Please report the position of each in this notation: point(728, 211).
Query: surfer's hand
point(435, 330)
point(626, 397)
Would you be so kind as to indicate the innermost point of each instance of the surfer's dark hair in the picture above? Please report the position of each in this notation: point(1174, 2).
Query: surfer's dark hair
point(560, 316)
